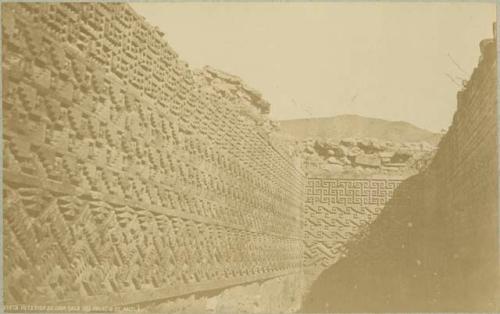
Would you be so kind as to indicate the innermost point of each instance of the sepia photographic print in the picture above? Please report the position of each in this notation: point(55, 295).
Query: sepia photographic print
point(250, 157)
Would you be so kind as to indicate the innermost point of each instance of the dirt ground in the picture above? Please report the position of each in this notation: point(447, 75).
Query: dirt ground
point(277, 295)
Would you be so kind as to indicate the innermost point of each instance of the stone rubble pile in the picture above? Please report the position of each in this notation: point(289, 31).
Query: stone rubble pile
point(362, 155)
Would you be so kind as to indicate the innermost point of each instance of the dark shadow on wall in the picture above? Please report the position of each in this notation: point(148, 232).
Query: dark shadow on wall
point(410, 261)
point(435, 245)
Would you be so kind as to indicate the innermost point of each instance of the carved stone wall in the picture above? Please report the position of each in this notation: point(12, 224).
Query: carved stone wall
point(337, 210)
point(126, 177)
point(434, 247)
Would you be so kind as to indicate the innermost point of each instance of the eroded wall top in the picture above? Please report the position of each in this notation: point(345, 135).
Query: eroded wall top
point(125, 177)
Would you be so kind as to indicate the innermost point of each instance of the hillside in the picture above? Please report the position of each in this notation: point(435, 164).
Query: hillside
point(346, 126)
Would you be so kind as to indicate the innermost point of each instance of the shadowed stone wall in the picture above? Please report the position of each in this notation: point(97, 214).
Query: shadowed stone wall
point(434, 247)
point(129, 177)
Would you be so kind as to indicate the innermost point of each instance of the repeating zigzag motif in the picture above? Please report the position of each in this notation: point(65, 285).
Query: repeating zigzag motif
point(128, 178)
point(336, 210)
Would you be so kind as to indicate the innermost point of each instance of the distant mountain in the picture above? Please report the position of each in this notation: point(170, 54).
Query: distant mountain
point(346, 126)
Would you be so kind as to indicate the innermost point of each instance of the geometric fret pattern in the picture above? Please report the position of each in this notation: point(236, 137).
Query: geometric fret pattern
point(337, 210)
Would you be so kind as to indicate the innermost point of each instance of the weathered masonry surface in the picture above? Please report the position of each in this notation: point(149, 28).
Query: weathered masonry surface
point(435, 245)
point(462, 194)
point(128, 176)
point(337, 210)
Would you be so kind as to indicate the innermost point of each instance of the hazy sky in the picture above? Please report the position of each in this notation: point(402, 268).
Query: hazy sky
point(386, 60)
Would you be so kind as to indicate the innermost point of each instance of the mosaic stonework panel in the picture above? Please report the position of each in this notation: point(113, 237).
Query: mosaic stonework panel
point(337, 210)
point(127, 176)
